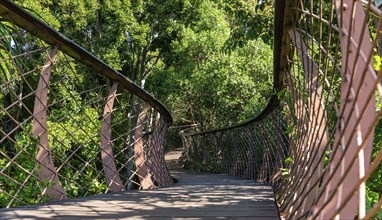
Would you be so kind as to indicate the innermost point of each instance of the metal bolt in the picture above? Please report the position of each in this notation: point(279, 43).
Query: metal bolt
point(344, 6)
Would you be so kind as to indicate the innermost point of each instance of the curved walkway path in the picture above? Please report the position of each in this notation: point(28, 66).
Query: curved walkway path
point(195, 196)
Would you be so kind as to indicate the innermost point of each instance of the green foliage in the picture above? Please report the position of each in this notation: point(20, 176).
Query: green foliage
point(377, 62)
point(206, 84)
point(210, 61)
point(374, 182)
point(285, 172)
point(185, 41)
point(26, 146)
point(249, 20)
point(372, 199)
point(206, 59)
point(41, 9)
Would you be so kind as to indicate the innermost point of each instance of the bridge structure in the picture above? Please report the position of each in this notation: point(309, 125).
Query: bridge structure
point(80, 140)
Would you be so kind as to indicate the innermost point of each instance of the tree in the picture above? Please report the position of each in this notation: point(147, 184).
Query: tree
point(249, 20)
point(210, 84)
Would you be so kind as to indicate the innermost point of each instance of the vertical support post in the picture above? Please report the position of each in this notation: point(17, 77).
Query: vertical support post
point(111, 173)
point(140, 159)
point(47, 173)
point(317, 135)
point(357, 77)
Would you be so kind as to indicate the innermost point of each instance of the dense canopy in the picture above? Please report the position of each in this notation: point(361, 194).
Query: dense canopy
point(209, 62)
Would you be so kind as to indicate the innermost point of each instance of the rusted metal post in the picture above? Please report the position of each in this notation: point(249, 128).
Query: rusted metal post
point(111, 173)
point(316, 139)
point(356, 78)
point(47, 172)
point(139, 155)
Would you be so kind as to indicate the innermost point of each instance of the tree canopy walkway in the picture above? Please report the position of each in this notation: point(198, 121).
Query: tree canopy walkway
point(81, 138)
point(195, 196)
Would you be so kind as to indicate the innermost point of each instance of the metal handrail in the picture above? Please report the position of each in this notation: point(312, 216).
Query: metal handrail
point(22, 18)
point(279, 65)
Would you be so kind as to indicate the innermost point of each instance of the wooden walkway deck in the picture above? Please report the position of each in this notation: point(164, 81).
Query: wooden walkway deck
point(195, 196)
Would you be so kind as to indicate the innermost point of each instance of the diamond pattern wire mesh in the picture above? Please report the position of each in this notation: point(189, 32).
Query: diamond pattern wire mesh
point(68, 130)
point(321, 143)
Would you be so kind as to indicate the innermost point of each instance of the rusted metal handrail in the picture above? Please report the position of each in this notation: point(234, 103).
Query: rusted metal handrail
point(12, 12)
point(315, 143)
point(71, 125)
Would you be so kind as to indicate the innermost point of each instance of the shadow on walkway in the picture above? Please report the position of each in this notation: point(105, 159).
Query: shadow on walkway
point(194, 196)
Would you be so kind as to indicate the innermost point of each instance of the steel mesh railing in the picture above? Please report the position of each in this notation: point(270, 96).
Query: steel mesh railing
point(318, 142)
point(71, 126)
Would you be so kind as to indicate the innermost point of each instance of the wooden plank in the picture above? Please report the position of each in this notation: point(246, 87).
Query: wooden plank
point(194, 196)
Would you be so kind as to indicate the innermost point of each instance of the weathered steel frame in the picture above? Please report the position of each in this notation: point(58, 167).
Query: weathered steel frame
point(111, 173)
point(47, 171)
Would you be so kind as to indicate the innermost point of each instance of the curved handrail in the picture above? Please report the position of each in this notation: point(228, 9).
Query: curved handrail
point(67, 130)
point(320, 148)
point(279, 65)
point(273, 102)
point(22, 18)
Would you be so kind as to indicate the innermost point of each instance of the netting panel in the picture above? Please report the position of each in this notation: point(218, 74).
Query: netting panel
point(68, 130)
point(321, 146)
